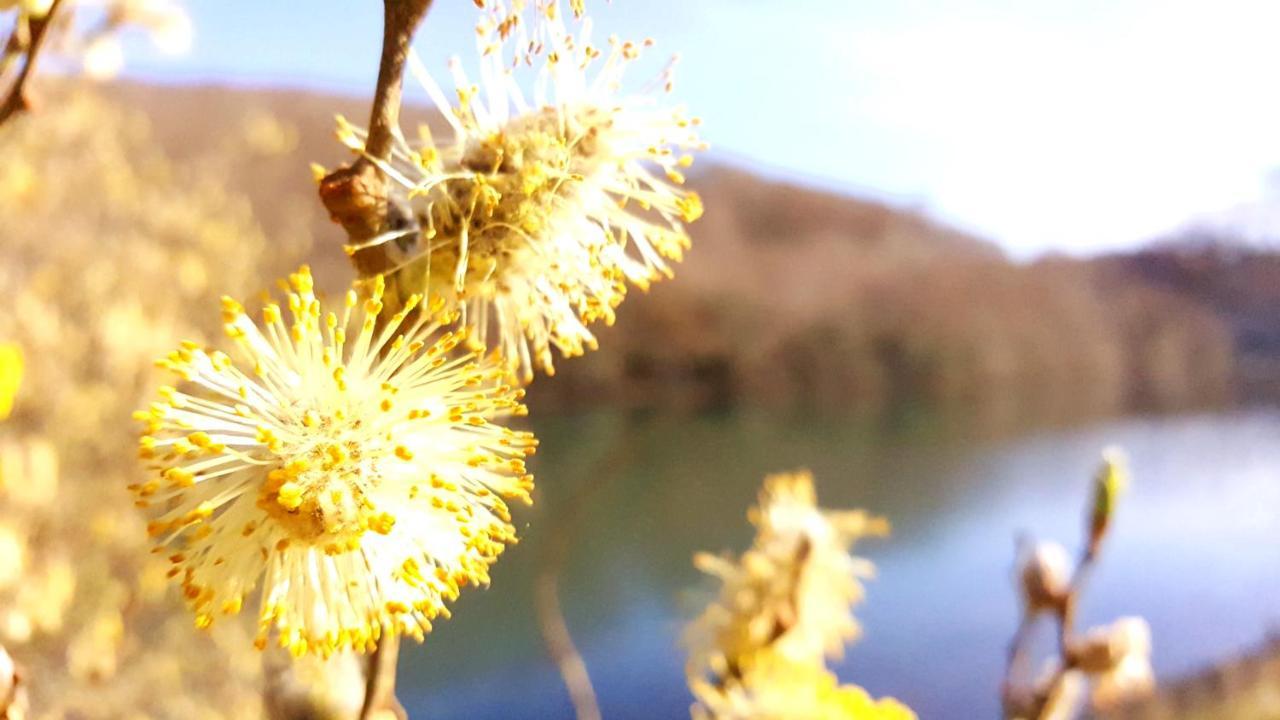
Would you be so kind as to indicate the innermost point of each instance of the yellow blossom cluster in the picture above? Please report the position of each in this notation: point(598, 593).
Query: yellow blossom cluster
point(784, 607)
point(555, 192)
point(348, 458)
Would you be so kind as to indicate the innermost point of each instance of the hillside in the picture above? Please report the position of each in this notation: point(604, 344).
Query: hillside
point(1238, 282)
point(795, 296)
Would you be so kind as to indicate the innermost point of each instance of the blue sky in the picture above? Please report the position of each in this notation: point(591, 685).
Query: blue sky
point(1044, 125)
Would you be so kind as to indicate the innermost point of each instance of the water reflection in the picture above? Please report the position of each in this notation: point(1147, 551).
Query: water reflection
point(1194, 551)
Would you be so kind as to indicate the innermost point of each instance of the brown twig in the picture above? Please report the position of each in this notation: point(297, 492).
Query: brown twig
point(559, 642)
point(14, 47)
point(551, 622)
point(1066, 619)
point(1067, 613)
point(16, 99)
point(356, 195)
point(380, 681)
point(1016, 663)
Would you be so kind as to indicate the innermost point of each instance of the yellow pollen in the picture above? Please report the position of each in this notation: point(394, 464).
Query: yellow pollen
point(290, 495)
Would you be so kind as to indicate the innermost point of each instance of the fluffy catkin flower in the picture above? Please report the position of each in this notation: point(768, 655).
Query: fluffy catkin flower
point(792, 593)
point(1118, 659)
point(360, 479)
point(535, 217)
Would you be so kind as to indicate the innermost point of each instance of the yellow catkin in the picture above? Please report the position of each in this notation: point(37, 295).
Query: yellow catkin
point(307, 470)
point(534, 227)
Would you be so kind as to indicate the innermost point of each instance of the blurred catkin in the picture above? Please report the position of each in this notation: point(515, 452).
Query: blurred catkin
point(759, 650)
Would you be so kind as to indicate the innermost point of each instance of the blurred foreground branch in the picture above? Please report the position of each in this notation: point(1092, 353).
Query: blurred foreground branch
point(25, 42)
point(551, 621)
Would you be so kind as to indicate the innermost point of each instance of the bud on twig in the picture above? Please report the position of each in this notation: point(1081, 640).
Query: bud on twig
point(1128, 675)
point(1103, 649)
point(1109, 483)
point(1044, 576)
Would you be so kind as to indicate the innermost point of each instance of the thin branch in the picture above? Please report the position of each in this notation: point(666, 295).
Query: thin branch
point(555, 633)
point(551, 622)
point(356, 195)
point(14, 47)
point(380, 682)
point(402, 18)
point(1016, 662)
point(1066, 619)
point(358, 200)
point(1067, 613)
point(16, 100)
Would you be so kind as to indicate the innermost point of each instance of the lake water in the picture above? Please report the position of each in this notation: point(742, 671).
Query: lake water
point(1194, 550)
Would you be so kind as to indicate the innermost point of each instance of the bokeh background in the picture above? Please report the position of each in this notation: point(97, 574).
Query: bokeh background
point(951, 251)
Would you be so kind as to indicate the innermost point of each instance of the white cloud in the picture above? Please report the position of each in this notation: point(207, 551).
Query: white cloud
point(1076, 135)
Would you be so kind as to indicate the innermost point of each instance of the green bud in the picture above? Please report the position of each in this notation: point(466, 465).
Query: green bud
point(1110, 482)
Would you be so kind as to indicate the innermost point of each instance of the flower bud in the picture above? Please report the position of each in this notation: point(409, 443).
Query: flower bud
point(1131, 680)
point(1043, 575)
point(1103, 649)
point(1109, 483)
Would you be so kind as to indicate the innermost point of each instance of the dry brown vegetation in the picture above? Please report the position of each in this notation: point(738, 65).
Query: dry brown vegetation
point(793, 296)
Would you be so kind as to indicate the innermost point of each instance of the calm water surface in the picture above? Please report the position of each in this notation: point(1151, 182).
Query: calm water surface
point(1195, 551)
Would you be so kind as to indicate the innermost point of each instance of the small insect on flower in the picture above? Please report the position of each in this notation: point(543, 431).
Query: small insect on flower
point(541, 210)
point(360, 479)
